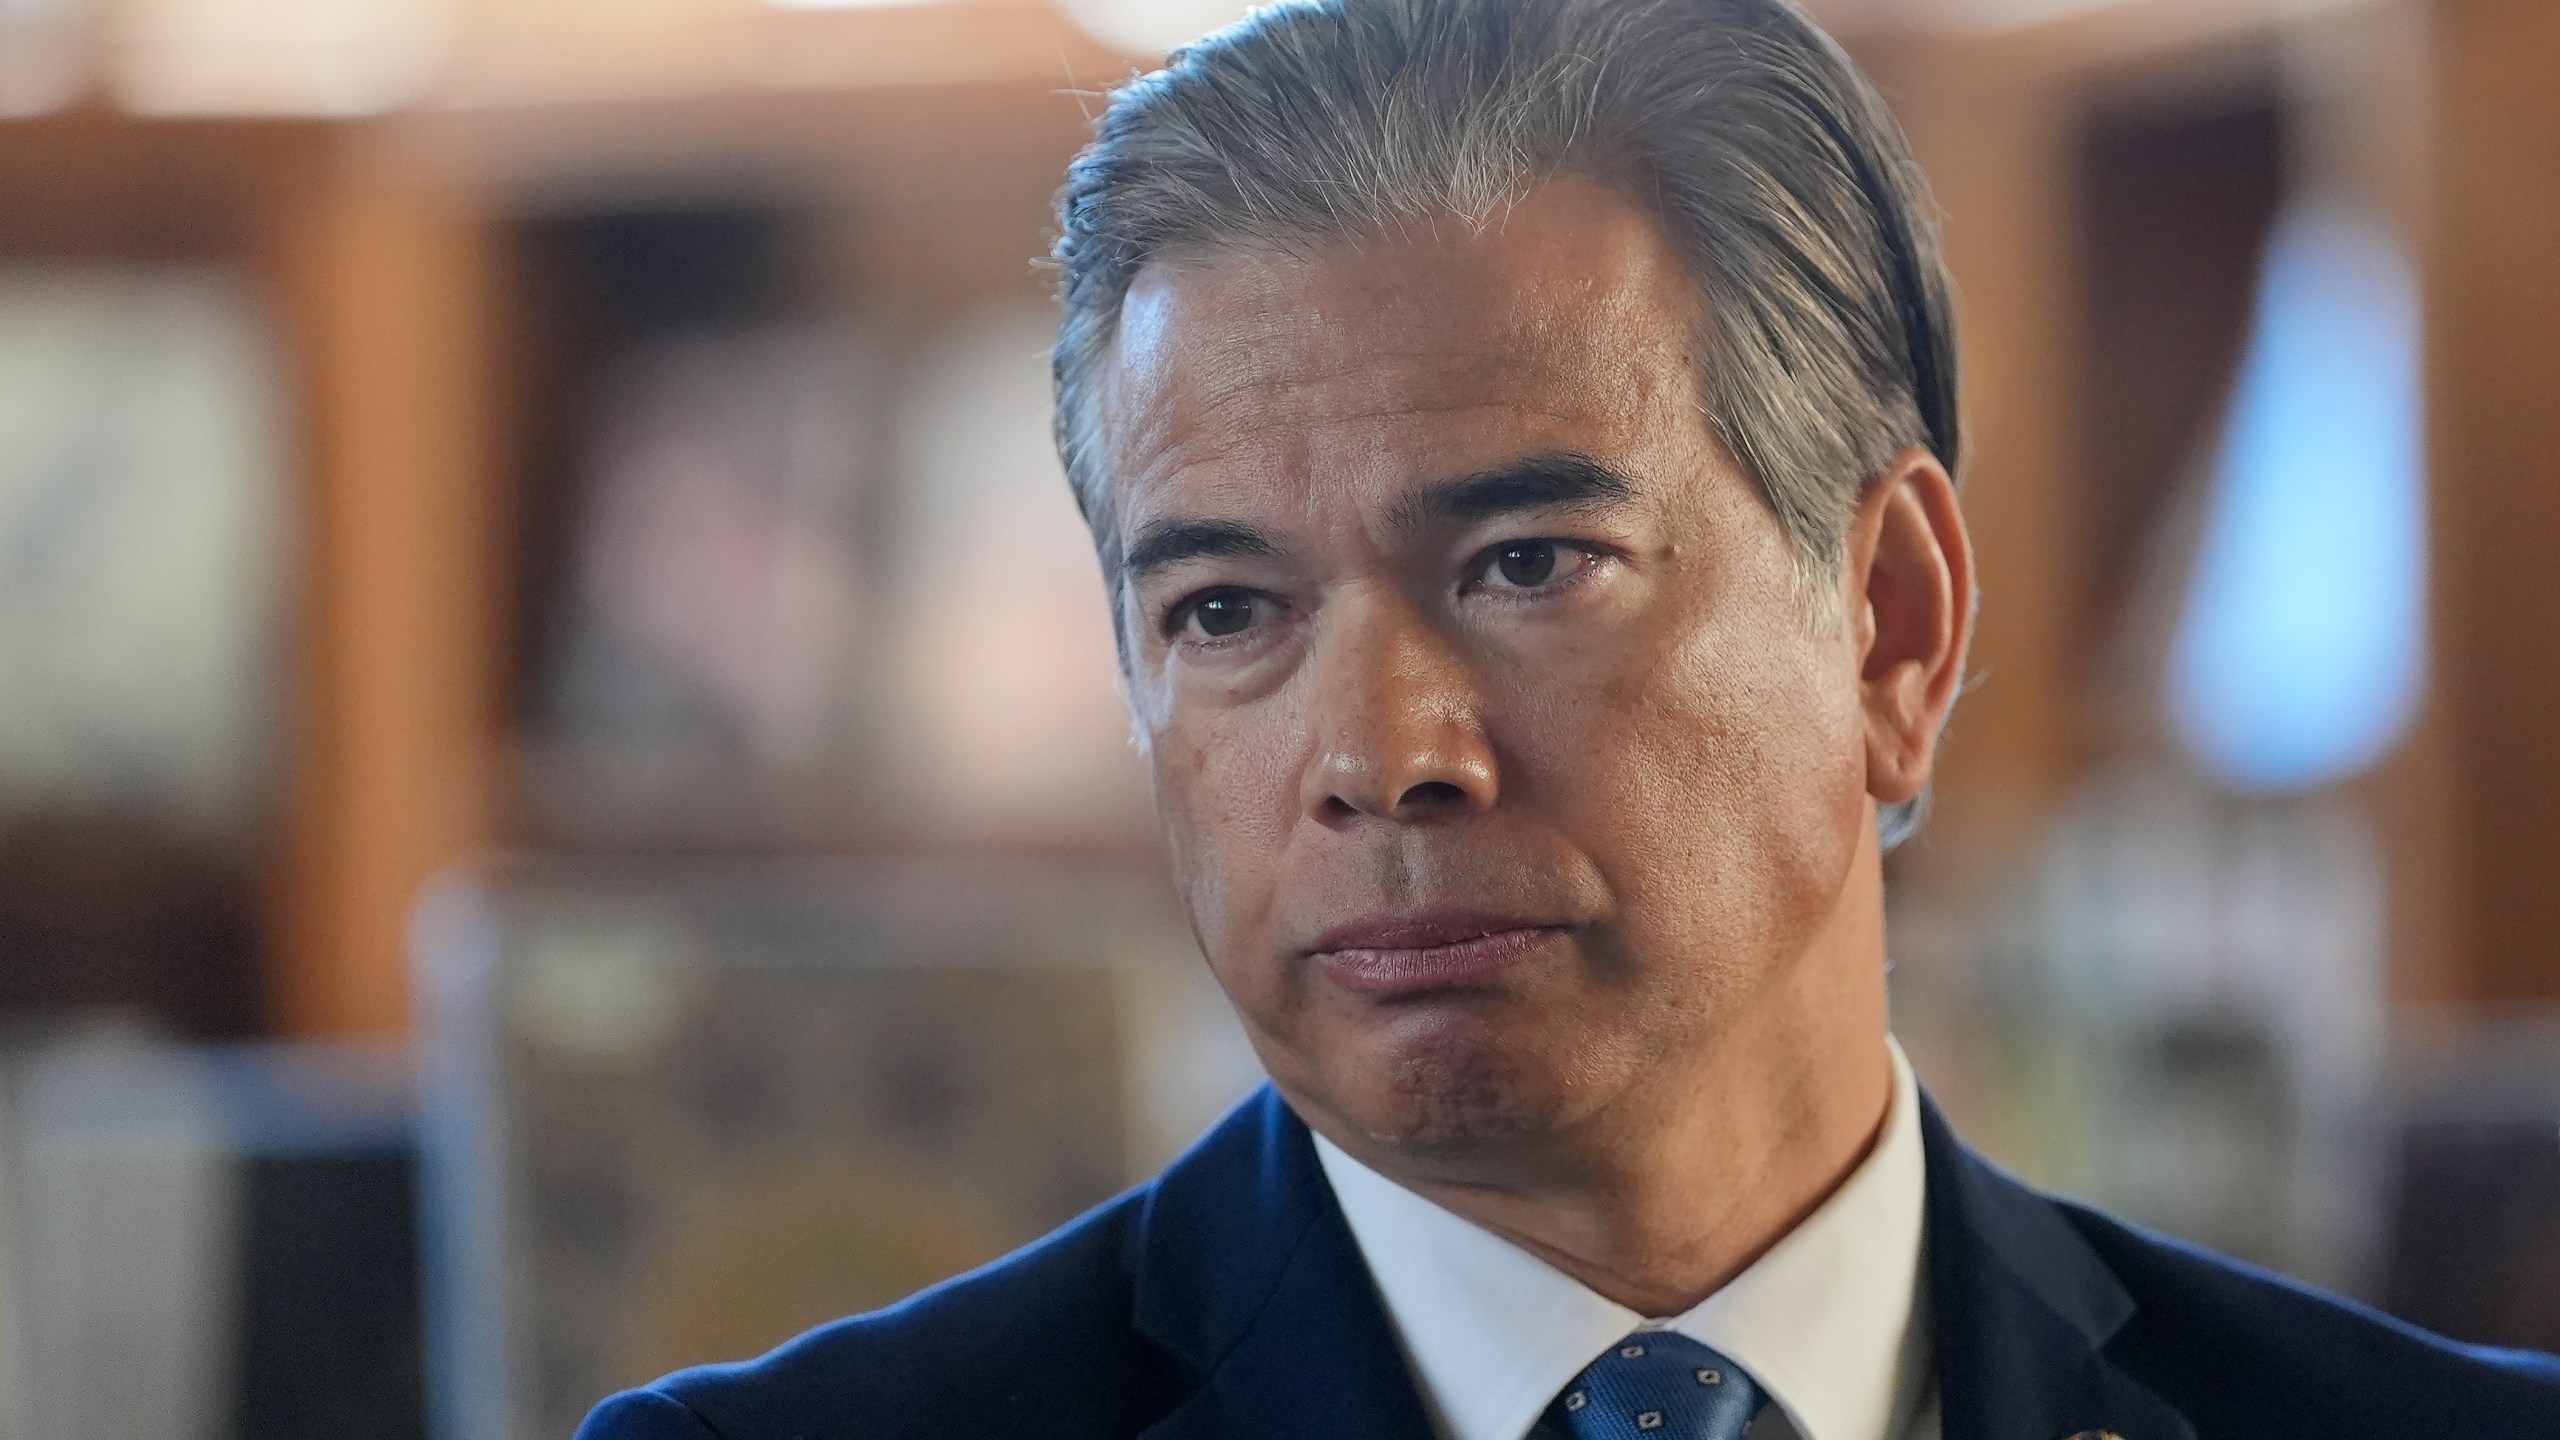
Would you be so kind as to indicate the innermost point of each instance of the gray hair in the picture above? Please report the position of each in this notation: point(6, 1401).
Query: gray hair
point(1769, 160)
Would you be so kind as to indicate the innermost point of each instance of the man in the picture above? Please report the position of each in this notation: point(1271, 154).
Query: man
point(1519, 439)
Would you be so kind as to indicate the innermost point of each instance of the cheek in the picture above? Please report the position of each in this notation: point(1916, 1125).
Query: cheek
point(1226, 791)
point(1717, 777)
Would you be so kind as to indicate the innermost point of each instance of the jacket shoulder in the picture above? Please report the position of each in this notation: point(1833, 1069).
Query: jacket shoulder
point(2246, 1352)
point(1038, 1343)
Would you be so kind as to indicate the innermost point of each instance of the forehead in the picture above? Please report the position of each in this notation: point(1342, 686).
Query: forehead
point(1567, 317)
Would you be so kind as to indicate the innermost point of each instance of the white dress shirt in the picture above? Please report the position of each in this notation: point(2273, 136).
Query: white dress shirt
point(1832, 1321)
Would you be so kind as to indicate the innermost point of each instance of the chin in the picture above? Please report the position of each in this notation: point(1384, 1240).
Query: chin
point(1447, 1089)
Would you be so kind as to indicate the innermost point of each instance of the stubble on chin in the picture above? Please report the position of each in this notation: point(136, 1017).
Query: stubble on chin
point(1459, 1097)
point(1480, 1105)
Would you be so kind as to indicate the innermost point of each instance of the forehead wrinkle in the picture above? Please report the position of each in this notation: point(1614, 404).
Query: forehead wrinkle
point(1222, 350)
point(1498, 368)
point(1240, 409)
point(1252, 428)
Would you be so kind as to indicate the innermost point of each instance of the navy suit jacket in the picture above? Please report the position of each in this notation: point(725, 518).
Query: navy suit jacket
point(1227, 1299)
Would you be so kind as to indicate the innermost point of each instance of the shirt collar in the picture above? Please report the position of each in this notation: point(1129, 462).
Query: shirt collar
point(1827, 1321)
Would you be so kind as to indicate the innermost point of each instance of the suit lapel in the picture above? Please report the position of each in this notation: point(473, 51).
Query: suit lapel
point(1248, 1273)
point(2023, 1311)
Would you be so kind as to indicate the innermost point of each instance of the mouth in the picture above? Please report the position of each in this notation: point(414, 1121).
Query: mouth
point(1413, 954)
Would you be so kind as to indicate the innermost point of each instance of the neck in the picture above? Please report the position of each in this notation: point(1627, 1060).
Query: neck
point(1676, 1190)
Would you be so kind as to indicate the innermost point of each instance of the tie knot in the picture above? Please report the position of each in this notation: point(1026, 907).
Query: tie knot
point(1656, 1385)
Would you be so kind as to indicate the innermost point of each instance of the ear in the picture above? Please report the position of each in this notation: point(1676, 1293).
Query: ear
point(1908, 588)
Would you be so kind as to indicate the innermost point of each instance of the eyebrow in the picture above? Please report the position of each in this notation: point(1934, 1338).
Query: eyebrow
point(1565, 480)
point(1165, 543)
point(1558, 480)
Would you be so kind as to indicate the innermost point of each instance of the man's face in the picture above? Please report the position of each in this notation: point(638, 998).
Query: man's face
point(1500, 765)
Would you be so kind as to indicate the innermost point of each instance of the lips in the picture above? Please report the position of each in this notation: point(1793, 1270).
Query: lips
point(1408, 954)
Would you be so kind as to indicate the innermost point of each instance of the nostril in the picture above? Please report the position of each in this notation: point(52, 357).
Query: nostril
point(1431, 793)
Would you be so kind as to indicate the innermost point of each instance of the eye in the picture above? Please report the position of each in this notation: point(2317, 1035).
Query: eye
point(1528, 565)
point(1221, 613)
point(1531, 564)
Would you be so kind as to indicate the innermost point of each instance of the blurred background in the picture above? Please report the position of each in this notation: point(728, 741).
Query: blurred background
point(563, 809)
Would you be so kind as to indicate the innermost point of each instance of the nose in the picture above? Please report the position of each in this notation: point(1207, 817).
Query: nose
point(1399, 724)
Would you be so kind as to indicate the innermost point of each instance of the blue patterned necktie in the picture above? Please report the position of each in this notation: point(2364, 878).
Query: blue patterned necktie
point(1655, 1385)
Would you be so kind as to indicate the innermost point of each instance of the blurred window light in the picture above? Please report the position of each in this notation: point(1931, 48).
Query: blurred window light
point(44, 55)
point(1979, 16)
point(2008, 14)
point(278, 57)
point(842, 4)
point(2300, 657)
point(143, 534)
point(1151, 27)
point(1992, 17)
